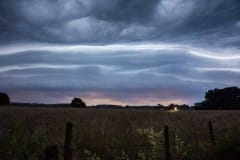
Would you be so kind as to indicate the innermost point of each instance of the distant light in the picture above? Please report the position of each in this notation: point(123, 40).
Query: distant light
point(175, 109)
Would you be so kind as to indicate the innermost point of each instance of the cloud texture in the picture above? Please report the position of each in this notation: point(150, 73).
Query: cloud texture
point(118, 51)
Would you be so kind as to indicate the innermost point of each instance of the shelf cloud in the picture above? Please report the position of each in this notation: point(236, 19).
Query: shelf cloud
point(118, 51)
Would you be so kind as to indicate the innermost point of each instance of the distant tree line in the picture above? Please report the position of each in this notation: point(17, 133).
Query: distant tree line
point(215, 99)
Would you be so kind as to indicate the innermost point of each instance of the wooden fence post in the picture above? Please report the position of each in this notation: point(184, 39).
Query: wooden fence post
point(211, 133)
point(51, 153)
point(68, 142)
point(166, 143)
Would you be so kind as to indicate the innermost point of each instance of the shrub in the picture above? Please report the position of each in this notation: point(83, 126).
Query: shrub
point(78, 102)
point(4, 99)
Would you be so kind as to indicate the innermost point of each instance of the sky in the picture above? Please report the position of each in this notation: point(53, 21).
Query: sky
point(128, 52)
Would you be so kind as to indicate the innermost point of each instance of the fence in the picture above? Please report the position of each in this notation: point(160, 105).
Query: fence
point(52, 152)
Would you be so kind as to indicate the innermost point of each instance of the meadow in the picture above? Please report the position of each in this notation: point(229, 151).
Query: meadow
point(119, 134)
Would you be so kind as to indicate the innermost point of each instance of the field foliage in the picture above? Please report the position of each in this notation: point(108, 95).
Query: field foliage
point(118, 134)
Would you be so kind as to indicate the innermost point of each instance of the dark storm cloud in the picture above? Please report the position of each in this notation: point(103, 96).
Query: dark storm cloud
point(125, 10)
point(118, 50)
point(113, 20)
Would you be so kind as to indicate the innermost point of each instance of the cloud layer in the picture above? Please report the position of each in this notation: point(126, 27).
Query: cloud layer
point(118, 51)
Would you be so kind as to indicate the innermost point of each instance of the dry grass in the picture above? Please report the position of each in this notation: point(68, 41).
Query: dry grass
point(112, 133)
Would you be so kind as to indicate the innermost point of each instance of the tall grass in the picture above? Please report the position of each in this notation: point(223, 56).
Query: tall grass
point(119, 134)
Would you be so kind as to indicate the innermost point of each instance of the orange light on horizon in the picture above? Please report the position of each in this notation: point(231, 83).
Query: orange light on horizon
point(175, 109)
point(95, 98)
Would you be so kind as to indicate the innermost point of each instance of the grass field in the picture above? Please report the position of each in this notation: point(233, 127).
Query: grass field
point(118, 134)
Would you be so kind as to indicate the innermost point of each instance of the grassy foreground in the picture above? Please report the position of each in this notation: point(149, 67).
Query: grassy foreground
point(118, 134)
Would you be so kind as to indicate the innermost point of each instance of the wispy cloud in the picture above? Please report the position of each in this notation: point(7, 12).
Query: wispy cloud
point(221, 53)
point(121, 51)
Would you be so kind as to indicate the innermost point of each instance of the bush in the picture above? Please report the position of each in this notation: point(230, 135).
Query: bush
point(78, 102)
point(4, 99)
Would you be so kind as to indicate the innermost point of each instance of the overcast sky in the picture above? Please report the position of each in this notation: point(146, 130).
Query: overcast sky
point(118, 51)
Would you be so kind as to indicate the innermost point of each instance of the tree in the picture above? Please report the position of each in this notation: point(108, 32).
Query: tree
point(4, 99)
point(78, 102)
point(183, 107)
point(226, 98)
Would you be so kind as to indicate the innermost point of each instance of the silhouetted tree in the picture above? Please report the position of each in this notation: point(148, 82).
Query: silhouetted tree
point(183, 107)
point(160, 106)
point(4, 99)
point(171, 106)
point(78, 102)
point(226, 98)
